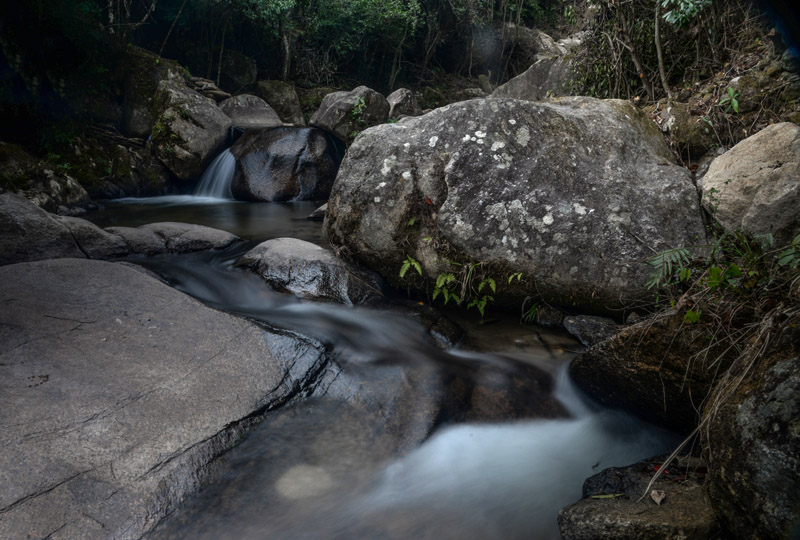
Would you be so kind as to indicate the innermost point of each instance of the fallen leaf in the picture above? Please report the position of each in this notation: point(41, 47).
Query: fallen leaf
point(428, 200)
point(658, 495)
point(612, 496)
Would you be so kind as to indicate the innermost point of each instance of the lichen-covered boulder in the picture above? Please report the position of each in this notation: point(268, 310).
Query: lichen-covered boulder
point(283, 98)
point(690, 133)
point(190, 130)
point(403, 102)
point(284, 164)
point(753, 449)
point(311, 272)
point(347, 113)
point(572, 194)
point(755, 186)
point(144, 71)
point(250, 111)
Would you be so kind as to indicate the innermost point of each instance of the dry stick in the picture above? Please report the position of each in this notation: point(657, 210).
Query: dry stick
point(659, 54)
point(172, 27)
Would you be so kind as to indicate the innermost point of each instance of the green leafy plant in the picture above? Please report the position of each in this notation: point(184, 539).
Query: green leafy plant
point(409, 263)
point(669, 265)
point(730, 101)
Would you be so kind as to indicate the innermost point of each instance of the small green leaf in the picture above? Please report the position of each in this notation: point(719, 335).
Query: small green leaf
point(417, 267)
point(404, 268)
point(691, 316)
point(412, 221)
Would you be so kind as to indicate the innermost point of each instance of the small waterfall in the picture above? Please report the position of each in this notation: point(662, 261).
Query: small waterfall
point(216, 180)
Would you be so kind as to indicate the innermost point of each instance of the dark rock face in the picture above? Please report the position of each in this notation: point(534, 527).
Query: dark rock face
point(753, 449)
point(344, 113)
point(190, 129)
point(684, 514)
point(650, 369)
point(590, 330)
point(403, 102)
point(571, 193)
point(31, 234)
point(284, 164)
point(312, 272)
point(43, 183)
point(144, 72)
point(283, 98)
point(249, 111)
point(117, 393)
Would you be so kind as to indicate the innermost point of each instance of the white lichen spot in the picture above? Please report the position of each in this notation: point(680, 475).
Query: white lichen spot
point(548, 219)
point(388, 164)
point(433, 141)
point(523, 136)
point(480, 134)
point(407, 146)
point(377, 199)
point(497, 145)
point(382, 184)
point(512, 122)
point(579, 209)
point(466, 138)
point(573, 270)
point(473, 139)
point(407, 176)
point(480, 141)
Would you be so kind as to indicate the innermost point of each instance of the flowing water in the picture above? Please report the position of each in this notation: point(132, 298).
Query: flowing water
point(336, 465)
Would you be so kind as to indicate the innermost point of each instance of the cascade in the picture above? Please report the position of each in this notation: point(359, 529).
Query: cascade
point(217, 178)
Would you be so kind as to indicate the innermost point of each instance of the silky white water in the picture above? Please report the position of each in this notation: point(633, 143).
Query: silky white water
point(217, 178)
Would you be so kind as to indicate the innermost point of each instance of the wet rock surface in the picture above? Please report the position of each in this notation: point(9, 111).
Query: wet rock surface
point(572, 193)
point(590, 330)
point(117, 393)
point(753, 445)
point(311, 272)
point(285, 164)
point(651, 369)
point(611, 510)
point(249, 111)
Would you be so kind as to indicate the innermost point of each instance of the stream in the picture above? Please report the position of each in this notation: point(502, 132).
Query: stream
point(338, 464)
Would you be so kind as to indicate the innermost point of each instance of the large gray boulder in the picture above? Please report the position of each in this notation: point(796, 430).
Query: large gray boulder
point(118, 392)
point(312, 272)
point(171, 237)
point(284, 164)
point(283, 98)
point(753, 450)
point(548, 76)
point(93, 241)
point(755, 186)
point(347, 113)
point(575, 194)
point(249, 111)
point(28, 233)
point(190, 130)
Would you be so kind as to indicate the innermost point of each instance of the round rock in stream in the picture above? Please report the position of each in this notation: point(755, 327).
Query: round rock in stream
point(284, 164)
point(574, 193)
point(312, 272)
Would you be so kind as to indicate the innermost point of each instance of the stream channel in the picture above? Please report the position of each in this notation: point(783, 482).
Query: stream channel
point(385, 448)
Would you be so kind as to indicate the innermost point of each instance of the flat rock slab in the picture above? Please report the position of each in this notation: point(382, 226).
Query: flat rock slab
point(116, 392)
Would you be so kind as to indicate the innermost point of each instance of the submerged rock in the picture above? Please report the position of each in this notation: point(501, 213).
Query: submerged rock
point(611, 510)
point(312, 272)
point(574, 194)
point(346, 113)
point(118, 392)
point(284, 164)
point(755, 186)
